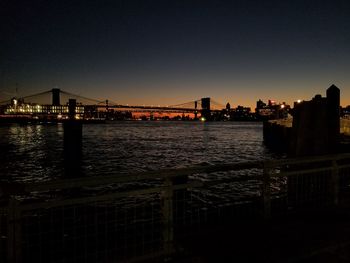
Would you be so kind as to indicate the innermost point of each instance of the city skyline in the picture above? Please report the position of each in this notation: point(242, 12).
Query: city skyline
point(157, 52)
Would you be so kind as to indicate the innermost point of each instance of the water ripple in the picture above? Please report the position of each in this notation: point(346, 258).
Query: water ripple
point(35, 152)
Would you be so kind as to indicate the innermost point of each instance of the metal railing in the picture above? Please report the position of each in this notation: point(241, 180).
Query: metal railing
point(134, 217)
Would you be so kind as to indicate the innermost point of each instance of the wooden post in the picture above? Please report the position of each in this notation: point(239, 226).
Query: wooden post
point(167, 211)
point(266, 191)
point(14, 246)
point(72, 142)
point(335, 183)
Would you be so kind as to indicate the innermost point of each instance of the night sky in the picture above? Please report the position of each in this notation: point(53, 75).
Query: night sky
point(169, 52)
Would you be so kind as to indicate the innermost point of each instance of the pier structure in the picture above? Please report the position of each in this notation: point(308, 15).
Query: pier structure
point(314, 128)
point(316, 124)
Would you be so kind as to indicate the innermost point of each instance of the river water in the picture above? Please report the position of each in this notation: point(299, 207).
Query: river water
point(34, 152)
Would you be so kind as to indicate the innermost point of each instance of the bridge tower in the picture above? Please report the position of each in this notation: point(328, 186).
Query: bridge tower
point(206, 108)
point(56, 97)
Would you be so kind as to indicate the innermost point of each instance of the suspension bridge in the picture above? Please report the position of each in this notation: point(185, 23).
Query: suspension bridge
point(55, 101)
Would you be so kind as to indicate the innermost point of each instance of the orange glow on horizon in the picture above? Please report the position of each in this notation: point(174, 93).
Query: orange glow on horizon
point(138, 115)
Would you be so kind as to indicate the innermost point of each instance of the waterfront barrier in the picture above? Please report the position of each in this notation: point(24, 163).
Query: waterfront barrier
point(148, 215)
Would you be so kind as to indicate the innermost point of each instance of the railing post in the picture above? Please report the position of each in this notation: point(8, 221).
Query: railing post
point(167, 211)
point(14, 248)
point(266, 190)
point(335, 183)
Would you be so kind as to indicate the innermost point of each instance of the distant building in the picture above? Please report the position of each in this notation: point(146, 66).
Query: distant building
point(242, 113)
point(271, 103)
point(272, 110)
point(345, 112)
point(19, 107)
point(260, 105)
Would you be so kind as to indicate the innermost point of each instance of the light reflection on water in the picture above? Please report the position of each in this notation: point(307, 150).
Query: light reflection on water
point(35, 152)
point(31, 151)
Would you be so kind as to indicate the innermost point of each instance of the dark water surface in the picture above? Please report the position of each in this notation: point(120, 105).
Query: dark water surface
point(34, 152)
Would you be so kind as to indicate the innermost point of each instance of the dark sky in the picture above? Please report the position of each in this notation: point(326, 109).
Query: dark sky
point(169, 52)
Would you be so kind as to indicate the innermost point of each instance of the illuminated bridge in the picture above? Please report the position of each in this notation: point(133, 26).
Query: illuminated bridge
point(38, 105)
